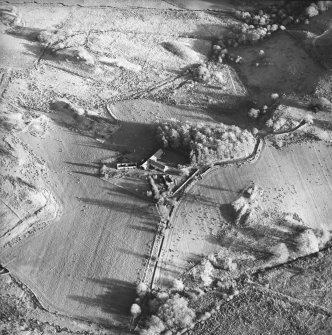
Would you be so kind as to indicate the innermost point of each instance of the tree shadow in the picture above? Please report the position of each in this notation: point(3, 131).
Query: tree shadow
point(90, 174)
point(257, 239)
point(210, 187)
point(139, 228)
point(117, 297)
point(92, 166)
point(132, 253)
point(227, 212)
point(124, 207)
point(25, 33)
point(324, 125)
point(202, 199)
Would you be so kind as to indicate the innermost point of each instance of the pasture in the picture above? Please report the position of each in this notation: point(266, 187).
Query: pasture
point(87, 263)
point(295, 180)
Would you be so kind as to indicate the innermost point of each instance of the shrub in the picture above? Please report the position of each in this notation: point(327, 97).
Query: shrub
point(254, 113)
point(141, 289)
point(306, 242)
point(269, 123)
point(312, 10)
point(154, 326)
point(309, 119)
point(202, 73)
point(239, 204)
point(154, 188)
point(178, 285)
point(324, 5)
point(206, 272)
point(135, 310)
point(280, 253)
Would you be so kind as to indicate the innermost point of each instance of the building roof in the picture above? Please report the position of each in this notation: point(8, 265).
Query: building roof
point(159, 165)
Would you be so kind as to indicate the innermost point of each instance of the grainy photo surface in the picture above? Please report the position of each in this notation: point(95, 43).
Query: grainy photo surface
point(165, 167)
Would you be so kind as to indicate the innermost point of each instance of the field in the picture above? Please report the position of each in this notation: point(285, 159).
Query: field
point(85, 264)
point(279, 70)
point(259, 311)
point(296, 179)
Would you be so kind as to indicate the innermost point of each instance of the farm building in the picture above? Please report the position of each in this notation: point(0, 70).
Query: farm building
point(126, 166)
point(157, 155)
point(153, 157)
point(158, 165)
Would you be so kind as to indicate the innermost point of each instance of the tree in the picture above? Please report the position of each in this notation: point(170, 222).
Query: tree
point(175, 313)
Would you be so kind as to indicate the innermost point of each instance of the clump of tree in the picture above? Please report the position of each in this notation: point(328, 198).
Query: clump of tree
point(205, 144)
point(154, 188)
point(164, 311)
point(259, 24)
point(65, 43)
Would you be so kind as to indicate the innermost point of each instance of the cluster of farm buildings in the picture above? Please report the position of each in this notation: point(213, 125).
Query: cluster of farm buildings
point(151, 161)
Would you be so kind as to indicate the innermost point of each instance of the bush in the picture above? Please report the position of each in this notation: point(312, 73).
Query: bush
point(135, 310)
point(178, 285)
point(269, 123)
point(312, 10)
point(141, 289)
point(308, 119)
point(206, 273)
point(154, 188)
point(154, 326)
point(279, 253)
point(253, 113)
point(239, 204)
point(202, 73)
point(306, 242)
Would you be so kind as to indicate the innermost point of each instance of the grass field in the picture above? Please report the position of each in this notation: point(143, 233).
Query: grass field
point(296, 179)
point(258, 311)
point(87, 263)
point(284, 68)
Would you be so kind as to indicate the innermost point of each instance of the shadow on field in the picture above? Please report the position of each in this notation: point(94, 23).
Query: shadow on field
point(90, 174)
point(139, 228)
point(91, 165)
point(132, 253)
point(117, 297)
point(124, 207)
point(203, 200)
point(227, 212)
point(211, 187)
point(258, 240)
point(25, 33)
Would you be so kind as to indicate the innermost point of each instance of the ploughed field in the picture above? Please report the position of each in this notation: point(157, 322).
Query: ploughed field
point(296, 180)
point(86, 264)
